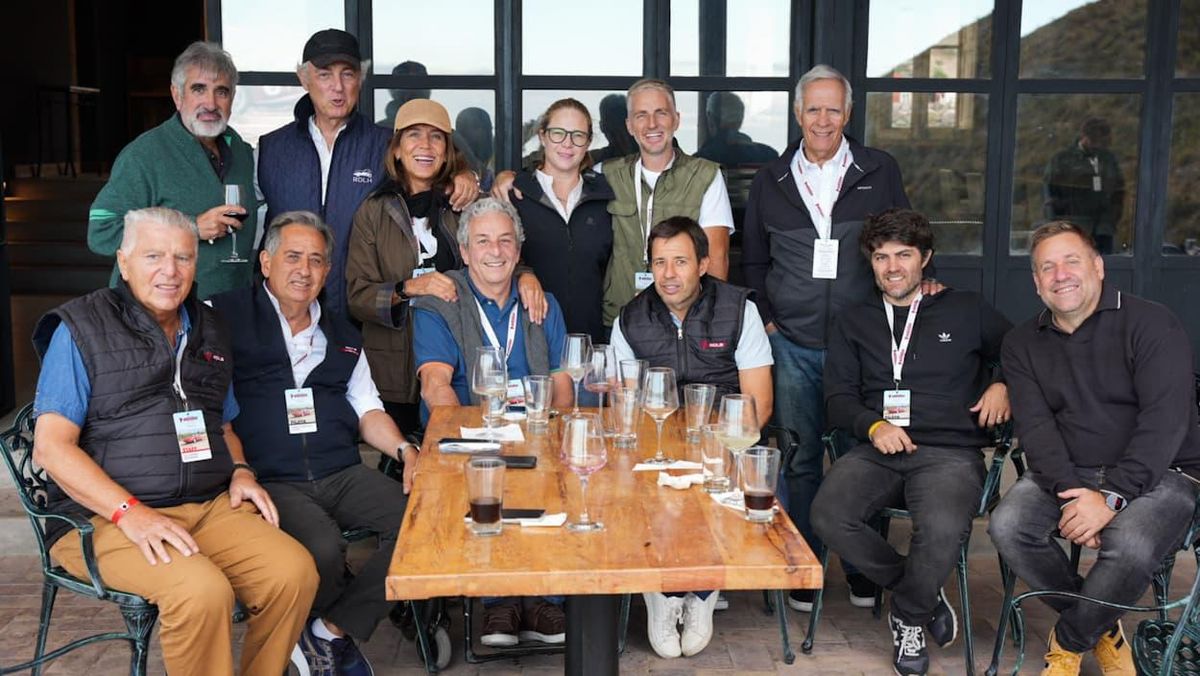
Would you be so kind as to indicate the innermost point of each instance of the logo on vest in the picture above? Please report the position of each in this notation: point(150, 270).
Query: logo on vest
point(362, 176)
point(212, 356)
point(350, 350)
point(944, 337)
point(713, 344)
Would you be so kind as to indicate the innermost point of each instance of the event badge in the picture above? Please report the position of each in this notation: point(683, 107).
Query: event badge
point(642, 280)
point(1096, 184)
point(516, 392)
point(897, 407)
point(192, 436)
point(417, 272)
point(825, 259)
point(301, 410)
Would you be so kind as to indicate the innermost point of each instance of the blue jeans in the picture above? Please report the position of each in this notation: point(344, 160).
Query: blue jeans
point(798, 379)
point(1132, 546)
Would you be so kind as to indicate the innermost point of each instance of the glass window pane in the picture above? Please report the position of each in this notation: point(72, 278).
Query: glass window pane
point(1076, 160)
point(909, 40)
point(1182, 234)
point(1083, 38)
point(258, 110)
point(572, 37)
point(291, 23)
point(756, 40)
point(1188, 61)
point(444, 41)
point(473, 115)
point(940, 141)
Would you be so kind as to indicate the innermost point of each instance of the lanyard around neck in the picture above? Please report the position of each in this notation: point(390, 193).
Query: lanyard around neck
point(491, 333)
point(825, 224)
point(644, 222)
point(900, 351)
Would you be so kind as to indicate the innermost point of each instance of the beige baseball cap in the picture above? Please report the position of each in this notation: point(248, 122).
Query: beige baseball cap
point(423, 111)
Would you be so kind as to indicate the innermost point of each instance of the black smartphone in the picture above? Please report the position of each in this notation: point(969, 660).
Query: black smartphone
point(520, 461)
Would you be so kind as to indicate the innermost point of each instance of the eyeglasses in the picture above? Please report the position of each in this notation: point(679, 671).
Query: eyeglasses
point(578, 138)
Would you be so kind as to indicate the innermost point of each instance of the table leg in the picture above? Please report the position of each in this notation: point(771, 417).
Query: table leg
point(593, 616)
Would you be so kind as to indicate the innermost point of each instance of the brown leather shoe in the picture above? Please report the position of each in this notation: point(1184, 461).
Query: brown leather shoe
point(544, 622)
point(500, 623)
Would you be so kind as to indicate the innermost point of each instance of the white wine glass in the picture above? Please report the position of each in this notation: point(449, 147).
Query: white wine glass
point(601, 374)
point(576, 355)
point(737, 426)
point(585, 452)
point(489, 380)
point(660, 398)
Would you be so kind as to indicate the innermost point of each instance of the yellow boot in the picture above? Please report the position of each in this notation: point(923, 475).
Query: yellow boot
point(1059, 660)
point(1113, 653)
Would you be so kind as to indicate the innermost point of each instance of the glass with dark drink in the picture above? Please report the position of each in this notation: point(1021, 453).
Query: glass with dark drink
point(485, 493)
point(759, 469)
point(233, 195)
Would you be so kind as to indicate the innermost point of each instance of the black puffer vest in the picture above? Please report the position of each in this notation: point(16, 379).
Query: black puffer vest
point(702, 350)
point(129, 430)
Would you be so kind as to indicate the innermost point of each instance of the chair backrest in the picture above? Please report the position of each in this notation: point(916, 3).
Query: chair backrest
point(16, 448)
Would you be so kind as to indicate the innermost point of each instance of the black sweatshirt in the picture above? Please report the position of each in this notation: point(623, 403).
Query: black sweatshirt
point(955, 338)
point(1117, 393)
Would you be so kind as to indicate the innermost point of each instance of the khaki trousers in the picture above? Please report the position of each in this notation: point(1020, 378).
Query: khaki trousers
point(240, 555)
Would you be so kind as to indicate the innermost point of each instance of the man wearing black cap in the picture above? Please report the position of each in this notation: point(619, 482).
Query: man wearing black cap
point(331, 156)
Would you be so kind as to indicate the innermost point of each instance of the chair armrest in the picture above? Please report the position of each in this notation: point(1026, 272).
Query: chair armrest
point(85, 529)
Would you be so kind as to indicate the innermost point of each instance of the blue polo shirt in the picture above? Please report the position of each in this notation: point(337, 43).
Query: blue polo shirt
point(63, 384)
point(433, 342)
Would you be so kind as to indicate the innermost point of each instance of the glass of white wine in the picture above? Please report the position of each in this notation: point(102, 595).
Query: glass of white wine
point(660, 399)
point(576, 356)
point(737, 426)
point(585, 452)
point(489, 380)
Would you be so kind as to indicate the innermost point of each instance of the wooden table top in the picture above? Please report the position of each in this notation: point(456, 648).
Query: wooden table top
point(655, 538)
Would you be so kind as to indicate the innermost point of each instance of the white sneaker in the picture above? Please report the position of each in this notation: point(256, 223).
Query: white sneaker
point(663, 614)
point(697, 623)
point(722, 602)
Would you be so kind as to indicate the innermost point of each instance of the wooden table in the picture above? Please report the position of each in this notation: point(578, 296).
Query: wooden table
point(655, 538)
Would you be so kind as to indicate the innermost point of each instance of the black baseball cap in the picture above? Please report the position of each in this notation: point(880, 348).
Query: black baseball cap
point(332, 46)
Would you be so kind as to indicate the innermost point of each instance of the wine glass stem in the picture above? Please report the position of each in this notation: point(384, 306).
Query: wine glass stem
point(583, 516)
point(658, 455)
point(576, 409)
point(485, 410)
point(601, 410)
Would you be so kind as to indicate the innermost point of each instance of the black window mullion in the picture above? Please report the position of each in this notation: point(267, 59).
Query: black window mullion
point(1001, 148)
point(508, 83)
point(358, 21)
point(1154, 153)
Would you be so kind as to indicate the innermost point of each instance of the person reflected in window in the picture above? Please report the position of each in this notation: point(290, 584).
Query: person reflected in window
point(726, 144)
point(1083, 184)
point(403, 96)
point(613, 114)
point(474, 136)
point(568, 228)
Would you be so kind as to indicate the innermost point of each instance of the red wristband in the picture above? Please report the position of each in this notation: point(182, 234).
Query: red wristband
point(122, 508)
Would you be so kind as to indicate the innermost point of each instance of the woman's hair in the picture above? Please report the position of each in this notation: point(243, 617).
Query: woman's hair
point(568, 104)
point(455, 162)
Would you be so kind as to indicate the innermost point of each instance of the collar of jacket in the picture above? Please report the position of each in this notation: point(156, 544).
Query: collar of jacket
point(304, 109)
point(595, 186)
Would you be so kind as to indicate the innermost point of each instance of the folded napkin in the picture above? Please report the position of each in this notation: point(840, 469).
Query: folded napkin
point(543, 521)
point(510, 432)
point(681, 481)
point(675, 464)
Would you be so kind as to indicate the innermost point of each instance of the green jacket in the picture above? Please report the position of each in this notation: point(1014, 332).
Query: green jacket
point(167, 167)
point(679, 191)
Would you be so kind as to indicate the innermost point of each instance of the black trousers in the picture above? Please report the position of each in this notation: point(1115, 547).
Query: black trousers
point(316, 513)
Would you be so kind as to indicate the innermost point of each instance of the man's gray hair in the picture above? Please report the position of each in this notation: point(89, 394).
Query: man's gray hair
point(209, 58)
point(649, 83)
point(303, 70)
point(488, 205)
point(136, 218)
point(824, 72)
point(305, 218)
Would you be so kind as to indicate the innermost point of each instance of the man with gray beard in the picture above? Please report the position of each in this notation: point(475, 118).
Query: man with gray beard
point(186, 163)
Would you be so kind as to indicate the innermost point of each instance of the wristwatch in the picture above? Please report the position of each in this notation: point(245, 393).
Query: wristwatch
point(1115, 501)
point(248, 468)
point(400, 292)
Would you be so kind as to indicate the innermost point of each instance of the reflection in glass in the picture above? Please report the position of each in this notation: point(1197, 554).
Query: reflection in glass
point(1187, 62)
point(1076, 160)
point(446, 40)
point(258, 110)
point(291, 23)
point(940, 141)
point(472, 111)
point(1182, 235)
point(561, 37)
point(755, 41)
point(1083, 38)
point(908, 40)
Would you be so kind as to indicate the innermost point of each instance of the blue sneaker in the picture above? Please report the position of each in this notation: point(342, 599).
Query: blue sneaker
point(339, 657)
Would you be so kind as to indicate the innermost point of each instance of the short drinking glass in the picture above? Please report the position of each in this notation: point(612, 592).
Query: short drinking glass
point(713, 456)
point(537, 401)
point(759, 470)
point(485, 492)
point(698, 401)
point(624, 414)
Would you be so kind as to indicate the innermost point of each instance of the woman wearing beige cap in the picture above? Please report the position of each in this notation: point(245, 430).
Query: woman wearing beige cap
point(402, 240)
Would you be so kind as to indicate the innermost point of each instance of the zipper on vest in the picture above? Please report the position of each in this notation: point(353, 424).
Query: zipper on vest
point(304, 454)
point(680, 351)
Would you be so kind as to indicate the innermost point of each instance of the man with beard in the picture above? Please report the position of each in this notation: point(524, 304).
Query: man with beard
point(185, 163)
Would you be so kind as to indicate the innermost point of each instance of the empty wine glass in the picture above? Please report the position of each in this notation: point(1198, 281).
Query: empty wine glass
point(660, 399)
point(601, 374)
point(489, 380)
point(576, 354)
point(233, 195)
point(584, 451)
point(737, 426)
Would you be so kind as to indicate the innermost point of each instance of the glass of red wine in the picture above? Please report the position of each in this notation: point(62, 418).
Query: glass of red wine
point(233, 195)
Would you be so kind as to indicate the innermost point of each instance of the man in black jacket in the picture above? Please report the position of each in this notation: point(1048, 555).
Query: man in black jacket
point(908, 376)
point(803, 216)
point(1105, 409)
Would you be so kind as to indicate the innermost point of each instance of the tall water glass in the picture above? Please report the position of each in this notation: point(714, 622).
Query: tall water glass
point(632, 372)
point(759, 470)
point(537, 401)
point(713, 458)
point(624, 415)
point(737, 427)
point(601, 374)
point(576, 355)
point(584, 452)
point(489, 380)
point(485, 493)
point(660, 399)
point(698, 399)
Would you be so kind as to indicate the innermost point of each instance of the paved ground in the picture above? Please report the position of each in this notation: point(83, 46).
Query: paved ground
point(746, 640)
